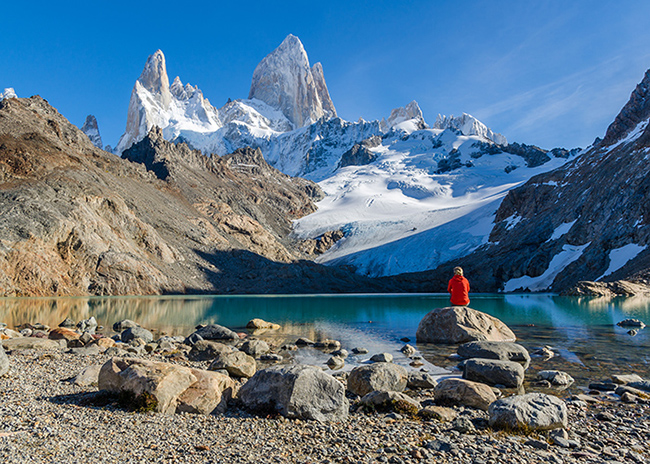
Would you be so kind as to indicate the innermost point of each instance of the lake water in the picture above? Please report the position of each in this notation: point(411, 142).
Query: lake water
point(582, 331)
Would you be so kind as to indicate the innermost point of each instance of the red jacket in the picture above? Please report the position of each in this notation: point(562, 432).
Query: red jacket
point(459, 289)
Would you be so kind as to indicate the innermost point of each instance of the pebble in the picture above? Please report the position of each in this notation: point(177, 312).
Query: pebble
point(46, 417)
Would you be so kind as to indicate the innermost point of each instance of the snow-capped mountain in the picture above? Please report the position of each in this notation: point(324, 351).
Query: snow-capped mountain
point(8, 93)
point(286, 93)
point(91, 129)
point(284, 81)
point(469, 125)
point(174, 109)
point(408, 197)
point(427, 197)
point(585, 221)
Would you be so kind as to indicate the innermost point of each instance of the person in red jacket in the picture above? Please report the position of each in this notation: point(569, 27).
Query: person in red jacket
point(458, 288)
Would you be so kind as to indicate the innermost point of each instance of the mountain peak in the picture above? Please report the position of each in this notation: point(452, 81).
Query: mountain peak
point(403, 114)
point(154, 77)
point(469, 125)
point(8, 93)
point(91, 129)
point(635, 110)
point(285, 81)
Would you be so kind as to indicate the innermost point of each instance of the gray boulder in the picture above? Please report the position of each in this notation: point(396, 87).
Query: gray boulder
point(379, 376)
point(503, 351)
point(408, 350)
point(494, 372)
point(641, 385)
point(122, 325)
point(136, 332)
point(464, 393)
point(382, 358)
point(420, 380)
point(87, 325)
point(206, 350)
point(299, 391)
point(88, 376)
point(533, 411)
point(255, 348)
point(335, 363)
point(460, 324)
point(216, 332)
point(237, 363)
point(624, 379)
point(4, 362)
point(557, 378)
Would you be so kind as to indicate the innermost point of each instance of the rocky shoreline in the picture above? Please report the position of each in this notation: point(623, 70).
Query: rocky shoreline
point(52, 409)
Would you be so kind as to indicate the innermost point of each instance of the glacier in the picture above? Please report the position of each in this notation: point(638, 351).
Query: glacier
point(408, 196)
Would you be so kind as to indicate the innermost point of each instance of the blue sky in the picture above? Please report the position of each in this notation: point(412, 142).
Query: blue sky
point(550, 73)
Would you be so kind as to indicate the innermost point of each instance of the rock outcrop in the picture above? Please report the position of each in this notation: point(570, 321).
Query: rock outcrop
point(285, 81)
point(77, 220)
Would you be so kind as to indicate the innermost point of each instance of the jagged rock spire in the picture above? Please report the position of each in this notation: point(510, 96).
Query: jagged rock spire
point(91, 129)
point(285, 81)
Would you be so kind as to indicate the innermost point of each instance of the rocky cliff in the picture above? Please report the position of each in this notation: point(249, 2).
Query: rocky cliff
point(285, 81)
point(77, 220)
point(585, 221)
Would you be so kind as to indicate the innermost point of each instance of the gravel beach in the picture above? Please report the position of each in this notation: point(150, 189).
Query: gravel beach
point(46, 418)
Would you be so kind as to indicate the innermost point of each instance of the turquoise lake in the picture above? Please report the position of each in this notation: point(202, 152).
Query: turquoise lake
point(582, 331)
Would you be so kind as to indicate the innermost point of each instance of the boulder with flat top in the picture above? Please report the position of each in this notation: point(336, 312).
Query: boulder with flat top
point(460, 324)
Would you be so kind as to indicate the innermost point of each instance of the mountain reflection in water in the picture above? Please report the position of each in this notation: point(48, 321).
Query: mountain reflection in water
point(582, 331)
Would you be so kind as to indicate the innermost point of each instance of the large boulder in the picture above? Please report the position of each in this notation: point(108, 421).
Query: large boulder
point(209, 394)
point(173, 388)
point(298, 391)
point(237, 363)
point(255, 348)
point(4, 362)
point(533, 411)
point(460, 324)
point(464, 393)
point(494, 372)
point(161, 381)
point(504, 351)
point(378, 376)
point(216, 332)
